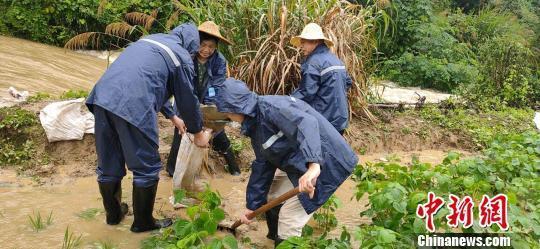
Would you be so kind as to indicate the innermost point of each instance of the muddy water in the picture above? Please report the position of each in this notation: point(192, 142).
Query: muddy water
point(36, 67)
point(20, 198)
point(65, 201)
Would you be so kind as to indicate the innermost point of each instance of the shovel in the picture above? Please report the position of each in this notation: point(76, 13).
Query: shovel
point(291, 193)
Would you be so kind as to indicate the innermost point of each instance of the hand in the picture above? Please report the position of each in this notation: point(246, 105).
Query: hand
point(307, 182)
point(244, 218)
point(202, 138)
point(179, 123)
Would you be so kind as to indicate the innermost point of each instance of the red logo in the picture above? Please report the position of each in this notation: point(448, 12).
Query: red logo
point(461, 211)
point(429, 209)
point(494, 211)
point(491, 211)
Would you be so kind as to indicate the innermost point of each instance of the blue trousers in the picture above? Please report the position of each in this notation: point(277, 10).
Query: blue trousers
point(119, 143)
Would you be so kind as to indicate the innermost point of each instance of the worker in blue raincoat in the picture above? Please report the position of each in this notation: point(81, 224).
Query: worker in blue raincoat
point(324, 78)
point(125, 102)
point(211, 71)
point(294, 146)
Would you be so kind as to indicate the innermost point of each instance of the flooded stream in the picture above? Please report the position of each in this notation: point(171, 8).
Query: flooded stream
point(36, 67)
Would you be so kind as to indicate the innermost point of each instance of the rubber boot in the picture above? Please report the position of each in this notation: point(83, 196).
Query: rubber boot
point(277, 242)
point(272, 219)
point(173, 153)
point(232, 166)
point(143, 206)
point(111, 193)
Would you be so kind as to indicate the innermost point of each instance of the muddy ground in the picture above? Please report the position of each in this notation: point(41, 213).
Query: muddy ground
point(65, 182)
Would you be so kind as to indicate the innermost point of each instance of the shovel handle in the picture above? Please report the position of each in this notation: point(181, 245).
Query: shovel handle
point(274, 202)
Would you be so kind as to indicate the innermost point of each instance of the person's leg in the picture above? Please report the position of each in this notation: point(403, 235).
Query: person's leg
point(280, 185)
point(173, 153)
point(143, 160)
point(111, 167)
point(222, 145)
point(292, 219)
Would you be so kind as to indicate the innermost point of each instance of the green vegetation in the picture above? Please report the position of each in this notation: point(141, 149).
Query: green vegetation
point(484, 126)
point(13, 118)
point(510, 165)
point(74, 94)
point(105, 245)
point(320, 242)
point(199, 231)
point(39, 96)
point(39, 223)
point(325, 216)
point(237, 145)
point(90, 213)
point(71, 241)
point(55, 22)
point(487, 52)
point(16, 144)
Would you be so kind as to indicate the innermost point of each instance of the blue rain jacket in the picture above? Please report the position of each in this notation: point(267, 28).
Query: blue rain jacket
point(287, 133)
point(324, 86)
point(140, 82)
point(216, 72)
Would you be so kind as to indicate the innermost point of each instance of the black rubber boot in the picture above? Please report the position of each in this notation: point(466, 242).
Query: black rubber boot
point(272, 219)
point(173, 153)
point(115, 210)
point(232, 166)
point(143, 206)
point(277, 242)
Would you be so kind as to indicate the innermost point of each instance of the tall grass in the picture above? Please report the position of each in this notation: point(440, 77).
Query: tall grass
point(261, 30)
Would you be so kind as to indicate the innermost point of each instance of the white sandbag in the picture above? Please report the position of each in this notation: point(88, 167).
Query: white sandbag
point(66, 120)
point(189, 162)
point(537, 120)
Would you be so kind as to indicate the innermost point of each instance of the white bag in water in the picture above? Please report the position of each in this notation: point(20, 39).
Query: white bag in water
point(537, 120)
point(66, 120)
point(188, 165)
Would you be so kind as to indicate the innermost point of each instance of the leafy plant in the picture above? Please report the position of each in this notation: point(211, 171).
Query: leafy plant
point(198, 230)
point(18, 128)
point(510, 165)
point(237, 145)
point(38, 223)
point(325, 216)
point(13, 118)
point(13, 154)
point(71, 240)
